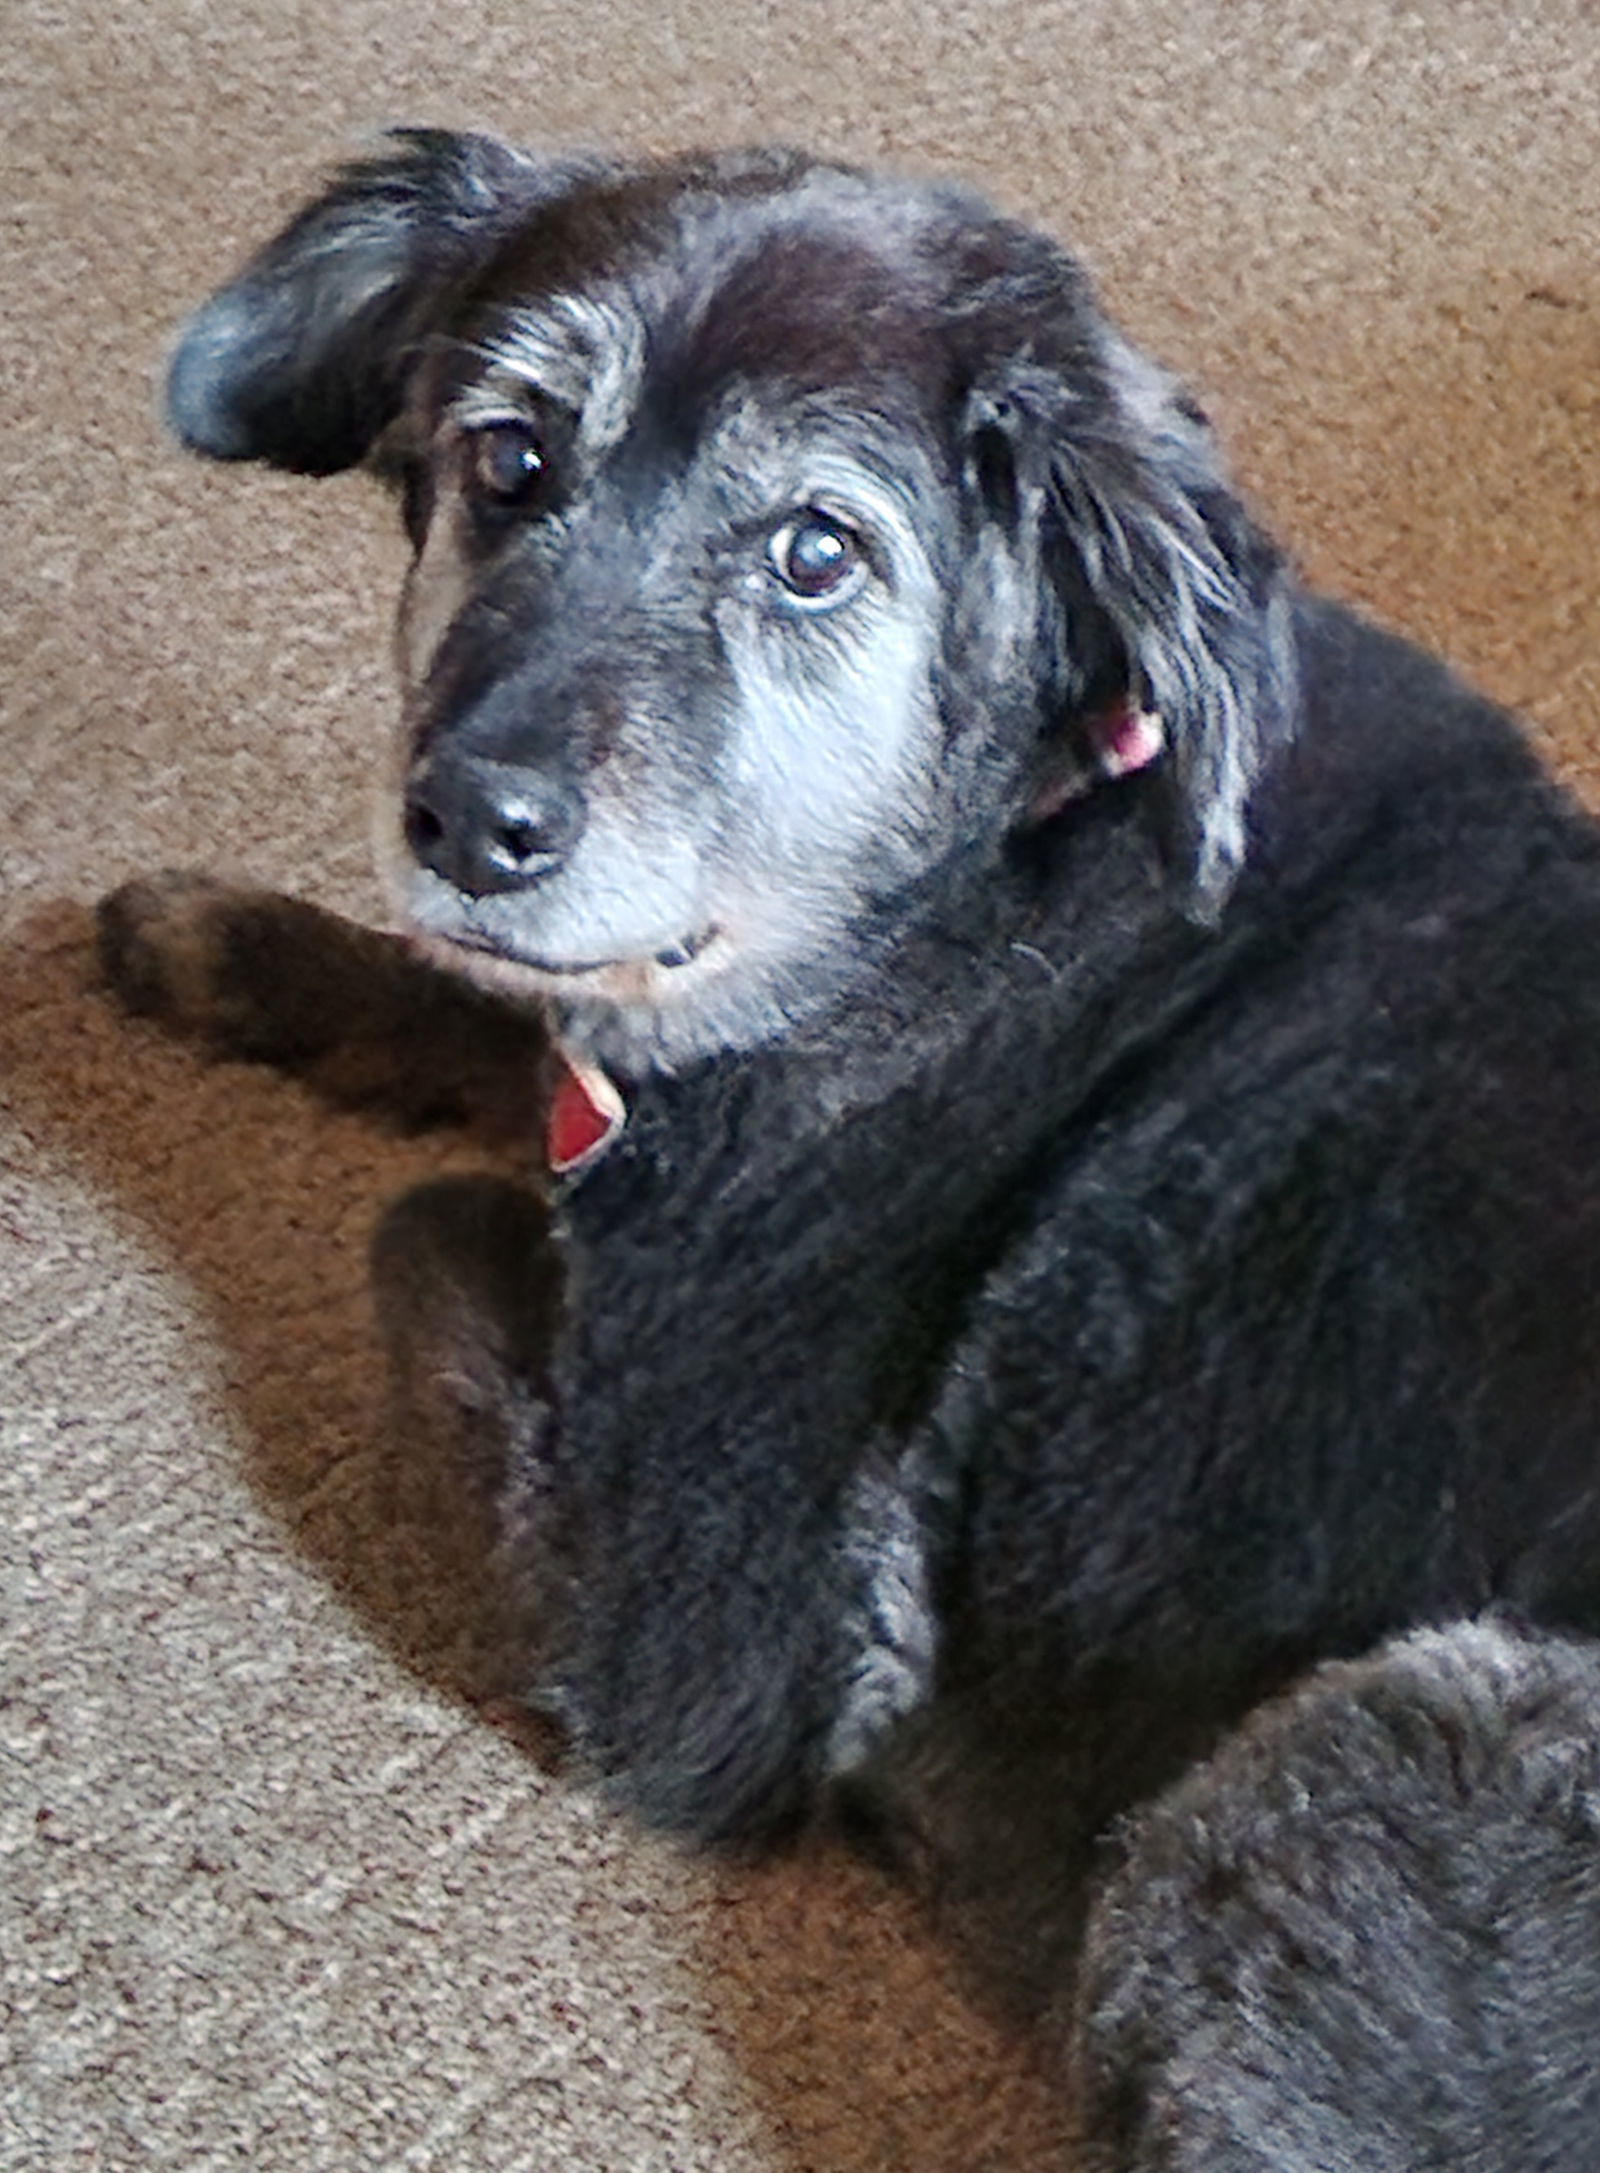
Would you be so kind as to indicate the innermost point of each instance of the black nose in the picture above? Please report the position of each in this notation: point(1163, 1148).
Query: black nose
point(487, 826)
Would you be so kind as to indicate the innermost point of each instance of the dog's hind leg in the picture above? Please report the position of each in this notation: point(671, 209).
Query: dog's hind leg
point(254, 974)
point(1366, 1934)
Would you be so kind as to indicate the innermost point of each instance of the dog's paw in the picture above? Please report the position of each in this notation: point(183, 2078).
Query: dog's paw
point(160, 941)
point(212, 961)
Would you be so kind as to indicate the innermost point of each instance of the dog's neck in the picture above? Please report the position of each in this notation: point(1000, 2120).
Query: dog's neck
point(890, 1012)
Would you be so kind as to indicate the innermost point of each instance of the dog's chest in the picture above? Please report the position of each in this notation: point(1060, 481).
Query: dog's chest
point(743, 1262)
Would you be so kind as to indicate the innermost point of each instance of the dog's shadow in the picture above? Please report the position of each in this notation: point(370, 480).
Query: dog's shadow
point(842, 2015)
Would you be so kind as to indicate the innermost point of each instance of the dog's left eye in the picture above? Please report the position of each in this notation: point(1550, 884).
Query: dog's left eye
point(817, 558)
point(510, 464)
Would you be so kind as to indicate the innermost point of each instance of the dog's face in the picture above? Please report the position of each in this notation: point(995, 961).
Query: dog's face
point(780, 534)
point(671, 641)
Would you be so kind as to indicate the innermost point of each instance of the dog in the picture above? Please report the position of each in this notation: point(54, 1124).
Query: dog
point(1061, 1329)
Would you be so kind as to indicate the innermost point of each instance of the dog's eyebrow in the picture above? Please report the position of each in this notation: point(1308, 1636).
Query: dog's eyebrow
point(493, 393)
point(823, 450)
point(584, 352)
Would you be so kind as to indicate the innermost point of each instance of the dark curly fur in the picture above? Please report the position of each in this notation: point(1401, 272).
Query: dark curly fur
point(1103, 1234)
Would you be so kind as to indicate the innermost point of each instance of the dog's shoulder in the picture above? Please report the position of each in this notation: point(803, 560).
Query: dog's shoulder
point(1393, 747)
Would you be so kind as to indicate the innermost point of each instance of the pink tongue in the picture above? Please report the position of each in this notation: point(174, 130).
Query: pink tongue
point(585, 1114)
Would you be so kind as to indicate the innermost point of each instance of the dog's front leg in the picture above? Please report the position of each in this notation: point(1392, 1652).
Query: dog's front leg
point(254, 974)
point(467, 1284)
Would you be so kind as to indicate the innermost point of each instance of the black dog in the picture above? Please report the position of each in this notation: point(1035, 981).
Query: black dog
point(1078, 1083)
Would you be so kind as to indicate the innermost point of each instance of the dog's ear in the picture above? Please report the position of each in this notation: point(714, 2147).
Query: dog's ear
point(1157, 585)
point(302, 359)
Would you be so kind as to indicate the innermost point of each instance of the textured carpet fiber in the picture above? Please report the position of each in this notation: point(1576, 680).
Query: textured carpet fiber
point(271, 1893)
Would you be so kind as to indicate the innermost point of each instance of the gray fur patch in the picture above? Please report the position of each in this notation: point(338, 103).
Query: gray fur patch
point(890, 1629)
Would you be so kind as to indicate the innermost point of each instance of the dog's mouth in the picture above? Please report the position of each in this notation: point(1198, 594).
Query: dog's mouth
point(624, 978)
point(670, 957)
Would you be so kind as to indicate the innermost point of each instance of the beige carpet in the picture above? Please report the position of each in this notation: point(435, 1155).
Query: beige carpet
point(270, 1893)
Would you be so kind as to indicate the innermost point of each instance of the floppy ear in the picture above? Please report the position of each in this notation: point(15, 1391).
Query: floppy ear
point(302, 360)
point(1157, 585)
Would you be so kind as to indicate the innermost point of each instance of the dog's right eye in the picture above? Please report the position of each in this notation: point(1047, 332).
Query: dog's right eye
point(510, 465)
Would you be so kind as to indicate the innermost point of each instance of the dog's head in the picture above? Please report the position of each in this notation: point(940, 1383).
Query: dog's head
point(780, 534)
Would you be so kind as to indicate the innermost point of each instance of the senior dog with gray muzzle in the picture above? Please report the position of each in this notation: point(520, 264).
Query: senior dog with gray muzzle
point(1063, 1323)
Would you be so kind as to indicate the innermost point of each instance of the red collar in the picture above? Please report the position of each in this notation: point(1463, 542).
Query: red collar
point(1122, 738)
point(585, 1115)
point(1126, 738)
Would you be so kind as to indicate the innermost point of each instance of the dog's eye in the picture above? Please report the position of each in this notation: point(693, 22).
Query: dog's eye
point(510, 464)
point(816, 558)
